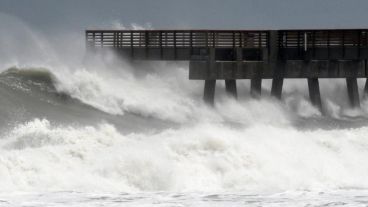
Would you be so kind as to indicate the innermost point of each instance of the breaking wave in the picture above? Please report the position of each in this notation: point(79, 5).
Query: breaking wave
point(106, 140)
point(107, 125)
point(42, 156)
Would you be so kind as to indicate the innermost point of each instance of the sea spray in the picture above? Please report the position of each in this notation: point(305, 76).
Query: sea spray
point(96, 129)
point(39, 155)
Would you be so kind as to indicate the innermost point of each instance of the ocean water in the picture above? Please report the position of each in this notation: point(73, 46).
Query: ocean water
point(82, 130)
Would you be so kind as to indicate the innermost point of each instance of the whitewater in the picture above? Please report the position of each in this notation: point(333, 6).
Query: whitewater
point(78, 130)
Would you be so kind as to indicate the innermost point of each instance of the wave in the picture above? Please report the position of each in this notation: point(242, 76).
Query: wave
point(104, 124)
point(246, 145)
point(29, 93)
point(42, 156)
point(121, 131)
point(164, 96)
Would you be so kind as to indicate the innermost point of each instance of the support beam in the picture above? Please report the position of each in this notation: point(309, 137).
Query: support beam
point(210, 85)
point(231, 88)
point(314, 93)
point(353, 93)
point(273, 47)
point(209, 92)
point(255, 87)
point(278, 80)
point(276, 90)
point(285, 69)
point(211, 69)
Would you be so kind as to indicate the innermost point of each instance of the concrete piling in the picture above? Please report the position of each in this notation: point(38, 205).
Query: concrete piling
point(209, 92)
point(231, 88)
point(314, 93)
point(276, 89)
point(278, 80)
point(210, 85)
point(365, 93)
point(255, 87)
point(353, 93)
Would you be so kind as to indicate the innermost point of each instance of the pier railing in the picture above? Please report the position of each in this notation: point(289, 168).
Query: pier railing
point(250, 54)
point(323, 44)
point(322, 38)
point(349, 44)
point(177, 38)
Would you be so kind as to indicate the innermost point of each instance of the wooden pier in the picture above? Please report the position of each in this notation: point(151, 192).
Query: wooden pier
point(249, 54)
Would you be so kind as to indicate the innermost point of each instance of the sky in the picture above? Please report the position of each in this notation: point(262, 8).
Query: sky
point(59, 15)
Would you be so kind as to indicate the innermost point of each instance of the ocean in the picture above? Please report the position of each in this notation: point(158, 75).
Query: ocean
point(78, 130)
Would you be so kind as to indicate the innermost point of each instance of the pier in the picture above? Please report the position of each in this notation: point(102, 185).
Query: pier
point(230, 55)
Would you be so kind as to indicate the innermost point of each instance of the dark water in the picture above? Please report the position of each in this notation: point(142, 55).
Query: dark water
point(30, 93)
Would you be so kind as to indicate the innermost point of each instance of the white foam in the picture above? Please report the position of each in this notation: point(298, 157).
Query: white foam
point(246, 145)
point(40, 156)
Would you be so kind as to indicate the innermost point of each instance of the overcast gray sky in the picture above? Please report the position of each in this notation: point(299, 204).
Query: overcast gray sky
point(54, 15)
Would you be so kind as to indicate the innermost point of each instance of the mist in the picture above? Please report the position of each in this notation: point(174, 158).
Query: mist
point(78, 128)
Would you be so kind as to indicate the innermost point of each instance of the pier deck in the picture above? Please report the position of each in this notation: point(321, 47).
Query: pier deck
point(249, 54)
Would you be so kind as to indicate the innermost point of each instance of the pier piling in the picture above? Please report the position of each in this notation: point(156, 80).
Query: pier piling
point(314, 93)
point(365, 93)
point(209, 91)
point(231, 88)
point(353, 93)
point(276, 89)
point(255, 87)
